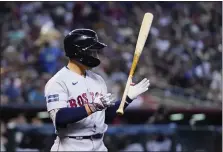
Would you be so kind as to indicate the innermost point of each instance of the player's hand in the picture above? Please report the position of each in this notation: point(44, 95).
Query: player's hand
point(136, 90)
point(102, 102)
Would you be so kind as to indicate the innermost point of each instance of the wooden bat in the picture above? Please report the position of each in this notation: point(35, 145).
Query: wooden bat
point(143, 34)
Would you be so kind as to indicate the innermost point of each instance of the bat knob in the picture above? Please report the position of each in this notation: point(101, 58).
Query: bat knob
point(120, 112)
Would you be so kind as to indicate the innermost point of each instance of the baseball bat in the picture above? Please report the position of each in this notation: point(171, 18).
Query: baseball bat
point(143, 34)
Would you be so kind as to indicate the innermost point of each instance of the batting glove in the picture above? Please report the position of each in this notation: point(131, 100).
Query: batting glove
point(136, 90)
point(102, 102)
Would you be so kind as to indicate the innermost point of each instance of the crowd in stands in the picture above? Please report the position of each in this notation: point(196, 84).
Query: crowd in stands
point(183, 50)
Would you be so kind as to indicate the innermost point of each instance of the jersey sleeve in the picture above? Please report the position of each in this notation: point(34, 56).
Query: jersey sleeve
point(56, 95)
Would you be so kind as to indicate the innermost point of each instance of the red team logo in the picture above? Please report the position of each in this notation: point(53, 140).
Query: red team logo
point(81, 100)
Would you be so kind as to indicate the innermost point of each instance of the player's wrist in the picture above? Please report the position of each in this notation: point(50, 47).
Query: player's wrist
point(92, 108)
point(131, 95)
point(88, 109)
point(128, 100)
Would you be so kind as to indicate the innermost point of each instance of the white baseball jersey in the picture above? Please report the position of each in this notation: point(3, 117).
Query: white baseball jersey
point(69, 89)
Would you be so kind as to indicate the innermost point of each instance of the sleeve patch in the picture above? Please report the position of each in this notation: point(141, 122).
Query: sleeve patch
point(52, 98)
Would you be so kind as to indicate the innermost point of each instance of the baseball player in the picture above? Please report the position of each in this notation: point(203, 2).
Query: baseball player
point(77, 98)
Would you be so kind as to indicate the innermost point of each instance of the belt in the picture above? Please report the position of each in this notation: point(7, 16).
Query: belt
point(96, 136)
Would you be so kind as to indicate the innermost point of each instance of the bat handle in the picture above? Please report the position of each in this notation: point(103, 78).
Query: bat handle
point(120, 110)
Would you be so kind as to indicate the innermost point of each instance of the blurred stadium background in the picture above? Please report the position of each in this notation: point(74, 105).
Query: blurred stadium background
point(182, 111)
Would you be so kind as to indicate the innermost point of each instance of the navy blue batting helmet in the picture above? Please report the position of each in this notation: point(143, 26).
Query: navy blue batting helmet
point(82, 45)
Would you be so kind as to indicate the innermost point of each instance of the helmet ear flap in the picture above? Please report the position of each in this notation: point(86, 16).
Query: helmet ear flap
point(88, 61)
point(85, 59)
point(91, 61)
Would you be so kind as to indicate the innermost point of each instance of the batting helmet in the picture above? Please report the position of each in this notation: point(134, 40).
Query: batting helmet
point(82, 45)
